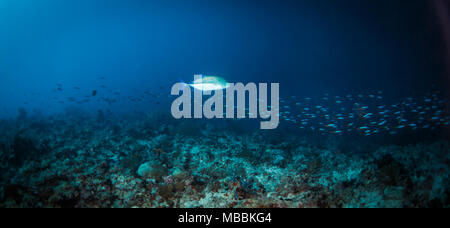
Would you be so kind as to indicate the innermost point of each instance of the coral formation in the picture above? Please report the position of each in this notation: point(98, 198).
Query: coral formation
point(78, 161)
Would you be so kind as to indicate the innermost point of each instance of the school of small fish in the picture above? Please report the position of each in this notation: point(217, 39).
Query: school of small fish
point(365, 114)
point(105, 95)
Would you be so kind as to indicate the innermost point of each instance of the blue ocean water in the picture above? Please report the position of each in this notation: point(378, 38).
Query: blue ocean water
point(85, 108)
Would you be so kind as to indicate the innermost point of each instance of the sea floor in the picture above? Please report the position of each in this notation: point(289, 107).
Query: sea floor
point(81, 161)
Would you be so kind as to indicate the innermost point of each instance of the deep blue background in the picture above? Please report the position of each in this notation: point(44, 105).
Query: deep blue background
point(310, 47)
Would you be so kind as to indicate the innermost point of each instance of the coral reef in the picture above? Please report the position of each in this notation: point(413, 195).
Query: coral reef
point(79, 161)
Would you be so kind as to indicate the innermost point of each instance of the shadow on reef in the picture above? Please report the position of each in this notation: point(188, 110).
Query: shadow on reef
point(26, 149)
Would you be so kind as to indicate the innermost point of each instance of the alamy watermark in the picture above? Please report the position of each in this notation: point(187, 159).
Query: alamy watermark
point(214, 106)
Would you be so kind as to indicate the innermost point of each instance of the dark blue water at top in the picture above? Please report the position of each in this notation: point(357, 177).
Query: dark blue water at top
point(310, 47)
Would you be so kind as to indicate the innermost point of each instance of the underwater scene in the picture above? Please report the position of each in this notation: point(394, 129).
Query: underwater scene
point(224, 104)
